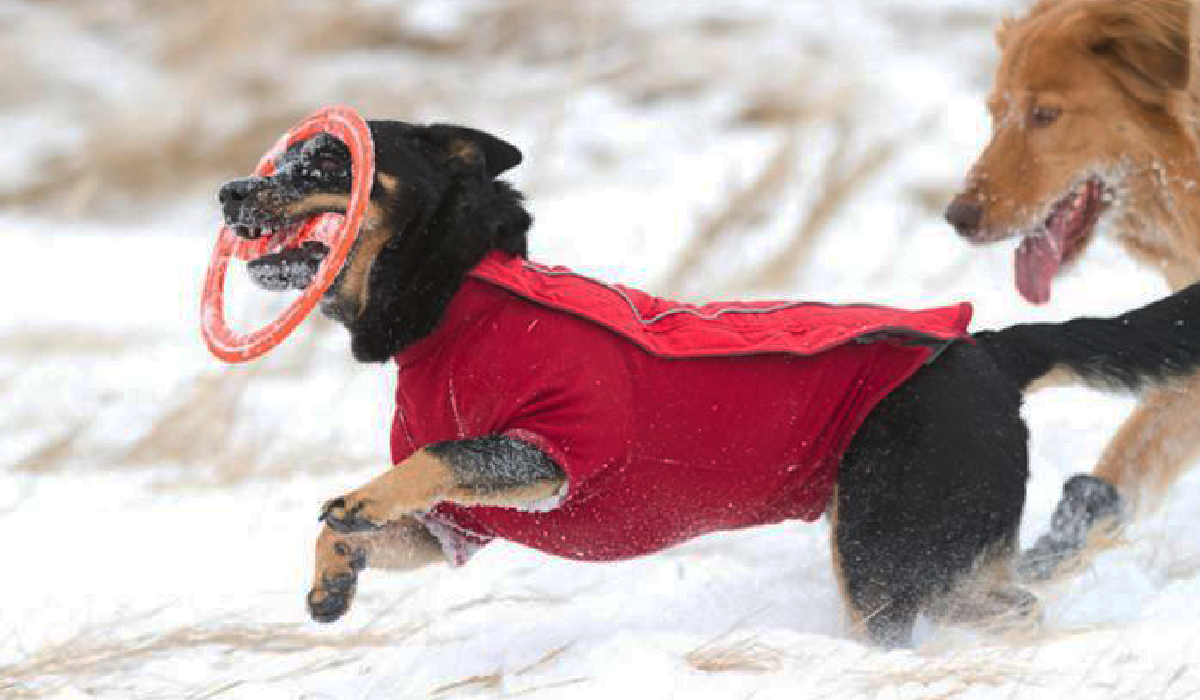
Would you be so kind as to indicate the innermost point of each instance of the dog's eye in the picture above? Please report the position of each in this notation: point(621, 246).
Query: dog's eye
point(1043, 116)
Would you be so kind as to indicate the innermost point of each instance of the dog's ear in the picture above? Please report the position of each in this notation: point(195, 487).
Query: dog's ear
point(1008, 24)
point(471, 148)
point(1145, 44)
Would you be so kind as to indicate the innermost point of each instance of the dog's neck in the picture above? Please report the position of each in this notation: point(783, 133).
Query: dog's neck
point(417, 274)
point(1160, 224)
point(1175, 212)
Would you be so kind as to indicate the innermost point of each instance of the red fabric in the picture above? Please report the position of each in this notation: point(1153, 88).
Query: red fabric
point(670, 420)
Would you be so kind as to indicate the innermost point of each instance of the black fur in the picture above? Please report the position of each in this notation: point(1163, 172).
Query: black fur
point(1141, 348)
point(932, 486)
point(496, 463)
point(416, 275)
point(450, 215)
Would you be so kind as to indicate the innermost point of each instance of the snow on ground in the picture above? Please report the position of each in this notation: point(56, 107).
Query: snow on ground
point(158, 507)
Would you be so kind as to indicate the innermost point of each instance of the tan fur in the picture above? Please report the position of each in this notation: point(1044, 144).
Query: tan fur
point(356, 272)
point(1124, 74)
point(1156, 444)
point(389, 183)
point(317, 202)
point(465, 150)
point(1056, 378)
point(357, 269)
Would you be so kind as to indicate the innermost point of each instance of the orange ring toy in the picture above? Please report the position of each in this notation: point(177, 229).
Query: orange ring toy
point(334, 230)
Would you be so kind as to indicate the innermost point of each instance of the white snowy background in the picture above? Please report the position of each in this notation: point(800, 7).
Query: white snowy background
point(157, 507)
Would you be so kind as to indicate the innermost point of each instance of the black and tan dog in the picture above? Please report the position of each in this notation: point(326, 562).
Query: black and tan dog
point(929, 493)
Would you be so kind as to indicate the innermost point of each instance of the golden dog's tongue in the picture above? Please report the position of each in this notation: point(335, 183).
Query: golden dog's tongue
point(1037, 261)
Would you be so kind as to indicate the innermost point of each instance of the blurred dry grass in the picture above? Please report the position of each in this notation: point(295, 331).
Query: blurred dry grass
point(97, 659)
point(234, 74)
point(738, 656)
point(842, 175)
point(743, 207)
point(495, 681)
point(239, 72)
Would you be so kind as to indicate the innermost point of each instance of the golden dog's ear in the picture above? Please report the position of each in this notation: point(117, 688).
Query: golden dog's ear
point(1145, 44)
point(1009, 23)
point(472, 148)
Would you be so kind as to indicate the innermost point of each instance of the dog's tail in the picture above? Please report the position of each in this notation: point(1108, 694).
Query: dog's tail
point(1142, 348)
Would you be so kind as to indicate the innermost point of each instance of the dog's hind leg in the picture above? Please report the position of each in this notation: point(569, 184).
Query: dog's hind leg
point(930, 492)
point(399, 546)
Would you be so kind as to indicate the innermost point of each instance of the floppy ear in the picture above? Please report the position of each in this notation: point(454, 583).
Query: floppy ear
point(472, 148)
point(1145, 44)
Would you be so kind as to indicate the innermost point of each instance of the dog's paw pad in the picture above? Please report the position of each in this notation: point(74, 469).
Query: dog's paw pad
point(345, 518)
point(326, 605)
point(356, 557)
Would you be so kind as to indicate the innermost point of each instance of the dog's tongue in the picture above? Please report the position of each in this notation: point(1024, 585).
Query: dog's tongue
point(1037, 261)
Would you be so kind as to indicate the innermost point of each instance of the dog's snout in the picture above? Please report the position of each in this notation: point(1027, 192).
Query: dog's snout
point(236, 191)
point(965, 217)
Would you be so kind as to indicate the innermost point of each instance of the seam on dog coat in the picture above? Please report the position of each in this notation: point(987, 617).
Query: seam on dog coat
point(670, 420)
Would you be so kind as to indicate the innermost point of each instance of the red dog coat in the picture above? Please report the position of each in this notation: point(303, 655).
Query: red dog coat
point(670, 420)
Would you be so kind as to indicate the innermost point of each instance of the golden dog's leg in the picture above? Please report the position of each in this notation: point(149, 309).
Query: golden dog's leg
point(1158, 442)
point(400, 546)
point(422, 481)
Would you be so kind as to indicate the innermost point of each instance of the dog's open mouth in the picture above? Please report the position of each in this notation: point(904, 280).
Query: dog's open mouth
point(1059, 240)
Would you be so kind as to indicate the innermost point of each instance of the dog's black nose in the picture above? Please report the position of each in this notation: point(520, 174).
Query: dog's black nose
point(235, 191)
point(964, 217)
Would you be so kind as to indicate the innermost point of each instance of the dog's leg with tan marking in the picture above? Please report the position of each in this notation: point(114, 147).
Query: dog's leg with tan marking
point(487, 471)
point(400, 546)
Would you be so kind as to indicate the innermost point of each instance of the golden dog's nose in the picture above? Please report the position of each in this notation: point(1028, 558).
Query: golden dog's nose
point(964, 217)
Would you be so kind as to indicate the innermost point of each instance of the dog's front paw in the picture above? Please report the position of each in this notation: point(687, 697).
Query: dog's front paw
point(331, 597)
point(351, 513)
